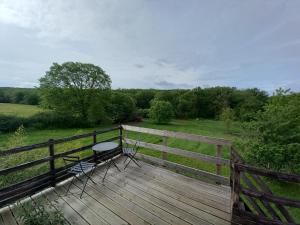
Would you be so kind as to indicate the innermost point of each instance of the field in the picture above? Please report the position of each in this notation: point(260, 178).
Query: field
point(202, 127)
point(18, 109)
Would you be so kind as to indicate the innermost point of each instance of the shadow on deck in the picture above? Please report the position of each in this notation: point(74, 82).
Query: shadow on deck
point(146, 195)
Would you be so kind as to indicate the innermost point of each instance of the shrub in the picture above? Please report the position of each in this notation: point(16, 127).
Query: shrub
point(273, 139)
point(54, 120)
point(122, 108)
point(10, 123)
point(161, 112)
point(143, 113)
point(227, 115)
point(39, 213)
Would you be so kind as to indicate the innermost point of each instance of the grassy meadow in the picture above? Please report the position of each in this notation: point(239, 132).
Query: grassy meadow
point(20, 110)
point(200, 126)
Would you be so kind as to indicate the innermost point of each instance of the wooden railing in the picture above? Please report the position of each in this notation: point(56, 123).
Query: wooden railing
point(54, 175)
point(165, 149)
point(253, 201)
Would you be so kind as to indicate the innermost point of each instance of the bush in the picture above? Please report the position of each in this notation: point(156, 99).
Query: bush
point(39, 213)
point(10, 123)
point(161, 112)
point(143, 113)
point(273, 139)
point(54, 120)
point(122, 108)
point(227, 116)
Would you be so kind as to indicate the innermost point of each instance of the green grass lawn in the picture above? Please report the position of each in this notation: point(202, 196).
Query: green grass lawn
point(202, 127)
point(19, 109)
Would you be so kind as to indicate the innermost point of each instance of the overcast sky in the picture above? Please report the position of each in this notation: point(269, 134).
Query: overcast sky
point(155, 43)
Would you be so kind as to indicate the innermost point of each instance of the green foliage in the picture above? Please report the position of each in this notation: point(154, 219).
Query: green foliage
point(122, 108)
point(273, 139)
point(161, 112)
point(28, 96)
point(74, 88)
point(227, 115)
point(143, 98)
point(10, 123)
point(143, 113)
point(39, 212)
point(186, 105)
point(17, 139)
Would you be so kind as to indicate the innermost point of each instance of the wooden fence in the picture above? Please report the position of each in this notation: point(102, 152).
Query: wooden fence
point(54, 175)
point(253, 201)
point(165, 149)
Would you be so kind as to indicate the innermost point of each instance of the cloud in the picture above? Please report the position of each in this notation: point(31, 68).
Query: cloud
point(169, 85)
point(146, 44)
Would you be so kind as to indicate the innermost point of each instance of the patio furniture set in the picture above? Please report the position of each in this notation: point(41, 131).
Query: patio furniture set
point(86, 169)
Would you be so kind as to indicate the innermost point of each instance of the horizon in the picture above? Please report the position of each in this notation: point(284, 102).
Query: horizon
point(155, 45)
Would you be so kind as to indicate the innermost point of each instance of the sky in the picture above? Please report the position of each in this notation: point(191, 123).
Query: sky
point(162, 44)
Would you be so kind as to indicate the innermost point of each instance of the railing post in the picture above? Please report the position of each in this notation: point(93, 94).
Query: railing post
point(236, 186)
point(219, 155)
point(121, 136)
point(94, 142)
point(164, 155)
point(52, 162)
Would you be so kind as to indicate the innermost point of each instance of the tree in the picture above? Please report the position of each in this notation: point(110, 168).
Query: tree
point(122, 108)
point(161, 112)
point(75, 88)
point(273, 139)
point(227, 115)
point(186, 105)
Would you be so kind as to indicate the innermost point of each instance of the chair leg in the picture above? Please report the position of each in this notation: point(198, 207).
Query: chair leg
point(87, 179)
point(135, 161)
point(113, 162)
point(70, 185)
point(108, 166)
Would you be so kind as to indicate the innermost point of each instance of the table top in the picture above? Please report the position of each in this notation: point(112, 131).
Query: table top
point(105, 146)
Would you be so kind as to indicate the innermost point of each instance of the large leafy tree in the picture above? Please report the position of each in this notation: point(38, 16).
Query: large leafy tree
point(75, 88)
point(272, 140)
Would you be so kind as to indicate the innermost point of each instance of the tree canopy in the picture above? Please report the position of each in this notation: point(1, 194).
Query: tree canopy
point(75, 88)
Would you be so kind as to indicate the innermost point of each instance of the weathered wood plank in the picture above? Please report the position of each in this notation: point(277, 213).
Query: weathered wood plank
point(184, 169)
point(69, 213)
point(180, 135)
point(268, 173)
point(166, 216)
point(8, 217)
point(185, 205)
point(181, 152)
point(80, 208)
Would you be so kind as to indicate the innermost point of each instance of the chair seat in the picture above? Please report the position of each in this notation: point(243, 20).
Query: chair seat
point(82, 167)
point(128, 151)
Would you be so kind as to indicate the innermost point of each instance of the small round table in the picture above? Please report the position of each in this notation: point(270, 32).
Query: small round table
point(106, 147)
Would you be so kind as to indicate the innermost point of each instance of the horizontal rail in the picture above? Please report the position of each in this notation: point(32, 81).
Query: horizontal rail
point(57, 141)
point(180, 135)
point(24, 166)
point(181, 152)
point(271, 198)
point(268, 173)
point(184, 169)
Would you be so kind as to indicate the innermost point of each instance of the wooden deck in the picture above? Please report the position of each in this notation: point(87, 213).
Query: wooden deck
point(146, 195)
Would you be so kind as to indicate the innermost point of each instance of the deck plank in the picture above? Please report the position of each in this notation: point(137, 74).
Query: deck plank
point(8, 217)
point(146, 195)
point(100, 209)
point(157, 196)
point(69, 213)
point(80, 208)
point(218, 203)
point(164, 215)
point(218, 218)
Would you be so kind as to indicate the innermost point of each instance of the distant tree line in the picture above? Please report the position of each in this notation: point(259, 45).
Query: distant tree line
point(28, 96)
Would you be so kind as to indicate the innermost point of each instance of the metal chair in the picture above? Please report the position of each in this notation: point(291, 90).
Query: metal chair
point(129, 153)
point(79, 168)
